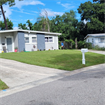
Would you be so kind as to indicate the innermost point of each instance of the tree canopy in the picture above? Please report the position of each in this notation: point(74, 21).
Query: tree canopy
point(9, 24)
point(93, 13)
point(100, 1)
point(10, 2)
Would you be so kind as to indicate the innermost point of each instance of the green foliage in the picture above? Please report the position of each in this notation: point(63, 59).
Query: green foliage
point(65, 24)
point(83, 44)
point(94, 14)
point(98, 48)
point(22, 26)
point(10, 2)
point(100, 1)
point(9, 24)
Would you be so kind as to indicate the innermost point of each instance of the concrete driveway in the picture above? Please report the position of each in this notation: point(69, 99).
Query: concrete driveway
point(99, 52)
point(16, 74)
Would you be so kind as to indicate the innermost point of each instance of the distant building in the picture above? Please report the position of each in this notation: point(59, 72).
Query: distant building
point(96, 39)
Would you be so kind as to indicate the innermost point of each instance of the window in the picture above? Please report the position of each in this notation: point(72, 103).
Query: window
point(101, 40)
point(48, 39)
point(34, 40)
point(26, 39)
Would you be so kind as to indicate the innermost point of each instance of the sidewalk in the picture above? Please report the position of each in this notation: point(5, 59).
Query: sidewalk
point(99, 52)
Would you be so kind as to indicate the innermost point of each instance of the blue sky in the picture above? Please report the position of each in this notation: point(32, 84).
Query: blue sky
point(31, 9)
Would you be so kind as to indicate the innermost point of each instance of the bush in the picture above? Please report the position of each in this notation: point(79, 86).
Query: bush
point(83, 44)
point(99, 48)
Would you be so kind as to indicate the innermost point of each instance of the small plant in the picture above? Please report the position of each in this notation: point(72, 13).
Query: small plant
point(49, 49)
point(37, 49)
point(16, 47)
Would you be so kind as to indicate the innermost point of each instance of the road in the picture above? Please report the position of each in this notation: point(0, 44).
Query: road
point(83, 88)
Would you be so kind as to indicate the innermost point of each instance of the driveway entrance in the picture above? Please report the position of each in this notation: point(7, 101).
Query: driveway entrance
point(15, 74)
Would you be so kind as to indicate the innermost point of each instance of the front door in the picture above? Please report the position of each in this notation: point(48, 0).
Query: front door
point(0, 45)
point(9, 44)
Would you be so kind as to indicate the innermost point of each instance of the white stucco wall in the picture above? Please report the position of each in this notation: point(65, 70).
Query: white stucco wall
point(51, 45)
point(29, 46)
point(3, 39)
point(89, 39)
point(99, 43)
point(15, 39)
point(95, 41)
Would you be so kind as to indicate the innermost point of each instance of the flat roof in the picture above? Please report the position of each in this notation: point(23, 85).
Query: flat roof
point(95, 35)
point(30, 31)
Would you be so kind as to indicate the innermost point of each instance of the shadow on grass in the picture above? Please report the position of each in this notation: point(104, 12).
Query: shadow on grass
point(74, 61)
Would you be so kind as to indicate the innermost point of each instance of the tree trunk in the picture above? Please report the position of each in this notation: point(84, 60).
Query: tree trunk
point(4, 17)
point(76, 46)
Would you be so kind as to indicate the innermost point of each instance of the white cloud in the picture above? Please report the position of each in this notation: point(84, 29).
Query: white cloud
point(19, 4)
point(50, 12)
point(66, 5)
point(21, 11)
point(8, 12)
point(58, 2)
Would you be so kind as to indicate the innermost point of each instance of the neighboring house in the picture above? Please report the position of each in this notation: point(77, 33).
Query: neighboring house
point(96, 39)
point(26, 40)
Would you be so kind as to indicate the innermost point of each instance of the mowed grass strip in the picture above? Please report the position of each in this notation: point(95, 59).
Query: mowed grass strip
point(3, 85)
point(59, 59)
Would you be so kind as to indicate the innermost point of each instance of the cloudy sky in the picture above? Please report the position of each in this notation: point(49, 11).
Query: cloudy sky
point(31, 9)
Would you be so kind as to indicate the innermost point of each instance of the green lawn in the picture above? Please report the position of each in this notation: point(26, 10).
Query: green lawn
point(3, 85)
point(60, 59)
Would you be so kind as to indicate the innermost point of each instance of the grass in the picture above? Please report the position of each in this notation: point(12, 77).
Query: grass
point(3, 85)
point(59, 59)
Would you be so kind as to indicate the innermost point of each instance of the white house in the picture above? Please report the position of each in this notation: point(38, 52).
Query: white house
point(26, 40)
point(96, 39)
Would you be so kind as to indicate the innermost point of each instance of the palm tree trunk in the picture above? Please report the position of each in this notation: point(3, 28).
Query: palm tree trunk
point(4, 17)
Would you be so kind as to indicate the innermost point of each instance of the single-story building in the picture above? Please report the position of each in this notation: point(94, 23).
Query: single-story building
point(26, 40)
point(96, 39)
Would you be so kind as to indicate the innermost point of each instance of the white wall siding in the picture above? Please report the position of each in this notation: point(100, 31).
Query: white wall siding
point(3, 40)
point(99, 43)
point(95, 41)
point(30, 46)
point(52, 45)
point(89, 39)
point(15, 40)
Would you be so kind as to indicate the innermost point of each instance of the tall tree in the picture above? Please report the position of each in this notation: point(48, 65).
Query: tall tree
point(93, 13)
point(22, 26)
point(65, 24)
point(10, 3)
point(100, 1)
point(9, 24)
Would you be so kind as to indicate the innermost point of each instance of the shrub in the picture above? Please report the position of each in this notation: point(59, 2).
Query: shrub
point(84, 44)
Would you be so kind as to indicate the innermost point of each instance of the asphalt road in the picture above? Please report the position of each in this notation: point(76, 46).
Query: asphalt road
point(84, 88)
